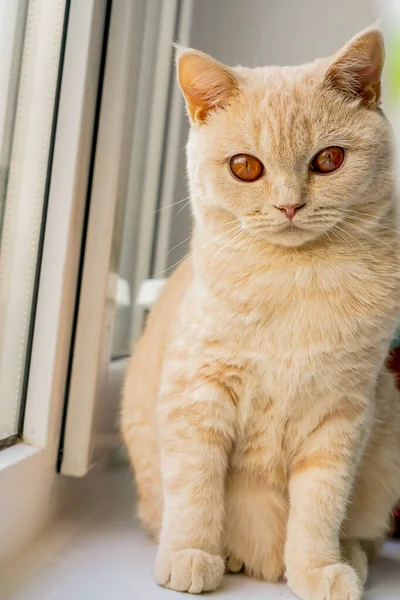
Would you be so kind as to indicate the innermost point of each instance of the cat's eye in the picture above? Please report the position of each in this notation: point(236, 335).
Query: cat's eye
point(328, 160)
point(246, 167)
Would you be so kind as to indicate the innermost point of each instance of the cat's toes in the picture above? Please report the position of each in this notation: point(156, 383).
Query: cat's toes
point(357, 557)
point(192, 570)
point(333, 582)
point(234, 565)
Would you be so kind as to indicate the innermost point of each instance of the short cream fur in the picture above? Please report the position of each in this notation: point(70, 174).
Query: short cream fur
point(262, 424)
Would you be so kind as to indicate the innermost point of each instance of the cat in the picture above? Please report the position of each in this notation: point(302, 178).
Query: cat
point(262, 423)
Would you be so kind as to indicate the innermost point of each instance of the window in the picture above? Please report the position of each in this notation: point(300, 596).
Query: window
point(29, 73)
point(88, 111)
point(123, 206)
point(54, 53)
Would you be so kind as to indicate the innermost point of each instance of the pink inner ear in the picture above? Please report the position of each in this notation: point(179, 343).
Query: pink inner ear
point(363, 82)
point(369, 87)
point(369, 73)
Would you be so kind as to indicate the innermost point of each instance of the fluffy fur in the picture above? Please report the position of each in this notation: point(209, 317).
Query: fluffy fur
point(262, 424)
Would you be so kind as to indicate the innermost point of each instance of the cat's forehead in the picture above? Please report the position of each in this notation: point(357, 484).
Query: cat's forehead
point(283, 78)
point(288, 85)
point(281, 106)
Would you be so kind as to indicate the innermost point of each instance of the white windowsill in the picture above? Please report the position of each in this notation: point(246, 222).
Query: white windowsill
point(16, 454)
point(98, 551)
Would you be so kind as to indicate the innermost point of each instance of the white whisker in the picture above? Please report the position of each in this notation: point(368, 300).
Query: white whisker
point(370, 218)
point(177, 245)
point(167, 269)
point(353, 237)
point(340, 238)
point(230, 241)
point(375, 223)
point(187, 200)
point(181, 209)
point(365, 232)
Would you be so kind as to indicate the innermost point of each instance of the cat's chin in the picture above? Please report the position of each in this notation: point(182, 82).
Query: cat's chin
point(290, 237)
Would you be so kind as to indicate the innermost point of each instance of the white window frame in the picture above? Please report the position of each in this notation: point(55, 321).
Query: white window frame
point(22, 225)
point(30, 491)
point(95, 380)
point(91, 370)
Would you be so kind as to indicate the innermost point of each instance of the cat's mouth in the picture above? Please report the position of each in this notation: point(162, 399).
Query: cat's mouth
point(290, 234)
point(292, 230)
point(291, 227)
point(285, 229)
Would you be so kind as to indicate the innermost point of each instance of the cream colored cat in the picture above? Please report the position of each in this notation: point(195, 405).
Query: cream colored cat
point(262, 424)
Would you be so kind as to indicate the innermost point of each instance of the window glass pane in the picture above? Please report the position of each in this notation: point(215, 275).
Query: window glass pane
point(129, 206)
point(31, 33)
point(12, 28)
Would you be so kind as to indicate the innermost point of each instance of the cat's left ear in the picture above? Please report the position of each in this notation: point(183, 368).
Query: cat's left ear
point(357, 69)
point(206, 84)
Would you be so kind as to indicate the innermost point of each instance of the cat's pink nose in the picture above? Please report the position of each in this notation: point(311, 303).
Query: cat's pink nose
point(290, 209)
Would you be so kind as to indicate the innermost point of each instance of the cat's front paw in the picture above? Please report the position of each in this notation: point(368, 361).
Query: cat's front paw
point(333, 582)
point(193, 571)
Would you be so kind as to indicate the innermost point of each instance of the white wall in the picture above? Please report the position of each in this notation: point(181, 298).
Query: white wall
point(261, 32)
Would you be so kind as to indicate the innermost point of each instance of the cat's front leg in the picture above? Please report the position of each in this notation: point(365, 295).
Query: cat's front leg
point(196, 427)
point(321, 483)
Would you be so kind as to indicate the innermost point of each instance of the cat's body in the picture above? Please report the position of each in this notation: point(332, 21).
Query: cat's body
point(260, 419)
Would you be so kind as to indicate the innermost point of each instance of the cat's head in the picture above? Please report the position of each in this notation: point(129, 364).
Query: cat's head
point(290, 153)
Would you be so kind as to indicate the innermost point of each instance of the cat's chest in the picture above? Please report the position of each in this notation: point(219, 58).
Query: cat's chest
point(299, 329)
point(314, 309)
point(264, 444)
point(274, 415)
point(260, 435)
point(294, 348)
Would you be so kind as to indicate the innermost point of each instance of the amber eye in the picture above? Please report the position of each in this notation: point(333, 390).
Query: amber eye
point(328, 160)
point(246, 167)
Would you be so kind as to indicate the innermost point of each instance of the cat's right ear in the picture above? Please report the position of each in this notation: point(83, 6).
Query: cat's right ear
point(357, 69)
point(206, 84)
